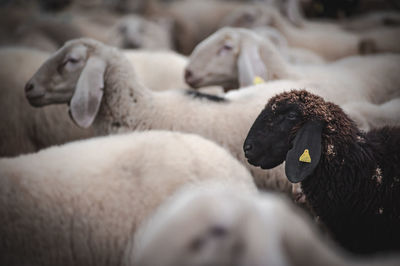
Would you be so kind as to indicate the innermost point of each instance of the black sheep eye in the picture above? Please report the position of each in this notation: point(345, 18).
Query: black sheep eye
point(291, 115)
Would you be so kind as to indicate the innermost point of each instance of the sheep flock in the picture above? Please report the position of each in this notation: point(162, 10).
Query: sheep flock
point(200, 133)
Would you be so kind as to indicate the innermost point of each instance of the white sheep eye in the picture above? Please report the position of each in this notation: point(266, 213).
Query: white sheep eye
point(72, 60)
point(225, 48)
point(71, 64)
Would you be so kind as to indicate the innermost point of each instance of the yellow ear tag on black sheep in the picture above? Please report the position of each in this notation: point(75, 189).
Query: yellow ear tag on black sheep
point(258, 80)
point(305, 157)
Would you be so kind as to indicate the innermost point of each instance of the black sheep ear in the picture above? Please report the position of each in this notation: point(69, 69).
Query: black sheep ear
point(304, 157)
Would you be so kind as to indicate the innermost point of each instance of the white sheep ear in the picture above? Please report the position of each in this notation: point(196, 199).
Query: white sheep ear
point(85, 102)
point(251, 68)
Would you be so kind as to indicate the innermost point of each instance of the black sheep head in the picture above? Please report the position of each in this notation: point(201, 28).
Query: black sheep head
point(294, 127)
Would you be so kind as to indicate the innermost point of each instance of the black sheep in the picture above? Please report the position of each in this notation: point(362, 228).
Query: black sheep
point(351, 180)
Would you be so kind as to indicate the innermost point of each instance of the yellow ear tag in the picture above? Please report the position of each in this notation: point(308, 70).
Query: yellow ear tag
point(305, 157)
point(258, 80)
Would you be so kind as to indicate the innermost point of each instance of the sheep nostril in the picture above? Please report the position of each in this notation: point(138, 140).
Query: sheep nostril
point(247, 148)
point(29, 87)
point(188, 74)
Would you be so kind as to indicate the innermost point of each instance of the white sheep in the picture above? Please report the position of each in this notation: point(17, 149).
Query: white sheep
point(221, 227)
point(23, 128)
point(321, 38)
point(233, 57)
point(81, 203)
point(368, 115)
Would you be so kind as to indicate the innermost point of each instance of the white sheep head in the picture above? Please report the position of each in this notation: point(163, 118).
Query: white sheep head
point(230, 57)
point(74, 75)
point(213, 228)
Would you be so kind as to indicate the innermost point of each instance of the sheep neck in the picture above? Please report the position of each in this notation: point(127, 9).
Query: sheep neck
point(123, 97)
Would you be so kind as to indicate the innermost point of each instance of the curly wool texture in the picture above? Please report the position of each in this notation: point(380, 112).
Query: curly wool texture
point(355, 189)
point(314, 107)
